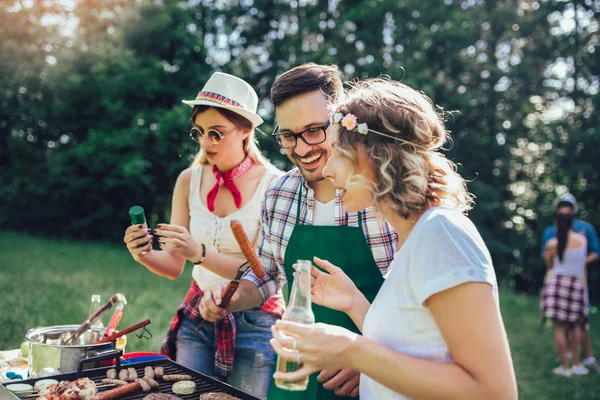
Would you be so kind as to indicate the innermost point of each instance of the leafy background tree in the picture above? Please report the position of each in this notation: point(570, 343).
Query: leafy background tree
point(92, 122)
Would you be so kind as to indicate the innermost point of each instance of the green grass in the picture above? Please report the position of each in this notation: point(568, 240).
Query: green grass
point(46, 282)
point(49, 282)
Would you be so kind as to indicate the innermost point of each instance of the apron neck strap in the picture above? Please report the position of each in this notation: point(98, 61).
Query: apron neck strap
point(300, 202)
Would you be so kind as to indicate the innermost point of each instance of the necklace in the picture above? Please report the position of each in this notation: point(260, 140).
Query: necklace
point(402, 240)
point(415, 219)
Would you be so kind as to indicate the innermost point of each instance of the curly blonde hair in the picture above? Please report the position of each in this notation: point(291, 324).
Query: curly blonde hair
point(411, 174)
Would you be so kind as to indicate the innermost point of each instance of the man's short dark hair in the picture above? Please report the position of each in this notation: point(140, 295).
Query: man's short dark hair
point(307, 78)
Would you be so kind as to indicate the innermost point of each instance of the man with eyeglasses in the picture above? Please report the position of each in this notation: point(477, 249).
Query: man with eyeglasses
point(303, 217)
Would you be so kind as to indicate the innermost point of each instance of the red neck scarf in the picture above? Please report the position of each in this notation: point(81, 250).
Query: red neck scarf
point(226, 180)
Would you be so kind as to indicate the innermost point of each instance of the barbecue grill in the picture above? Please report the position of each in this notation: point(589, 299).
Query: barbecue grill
point(204, 384)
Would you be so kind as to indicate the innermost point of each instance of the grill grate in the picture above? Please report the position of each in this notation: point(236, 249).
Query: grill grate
point(204, 384)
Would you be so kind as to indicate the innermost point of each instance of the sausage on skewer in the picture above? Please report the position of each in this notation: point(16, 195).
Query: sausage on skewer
point(246, 247)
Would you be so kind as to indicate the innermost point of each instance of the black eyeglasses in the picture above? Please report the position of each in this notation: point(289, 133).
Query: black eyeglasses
point(310, 136)
point(214, 135)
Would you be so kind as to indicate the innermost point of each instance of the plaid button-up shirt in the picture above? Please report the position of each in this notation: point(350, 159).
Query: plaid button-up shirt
point(279, 218)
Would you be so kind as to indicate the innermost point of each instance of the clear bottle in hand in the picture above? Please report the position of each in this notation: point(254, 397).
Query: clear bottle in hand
point(298, 310)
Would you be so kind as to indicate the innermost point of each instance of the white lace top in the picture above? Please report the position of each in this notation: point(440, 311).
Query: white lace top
point(214, 231)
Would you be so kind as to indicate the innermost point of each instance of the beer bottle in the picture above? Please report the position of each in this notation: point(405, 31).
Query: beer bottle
point(299, 310)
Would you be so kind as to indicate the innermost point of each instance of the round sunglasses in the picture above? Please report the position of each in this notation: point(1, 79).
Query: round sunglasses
point(214, 135)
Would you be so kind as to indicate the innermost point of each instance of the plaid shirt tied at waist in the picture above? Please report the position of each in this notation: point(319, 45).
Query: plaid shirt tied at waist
point(225, 330)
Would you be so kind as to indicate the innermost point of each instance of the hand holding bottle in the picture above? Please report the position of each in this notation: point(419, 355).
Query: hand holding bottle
point(138, 241)
point(317, 346)
point(137, 237)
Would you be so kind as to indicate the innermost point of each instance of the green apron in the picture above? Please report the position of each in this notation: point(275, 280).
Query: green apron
point(347, 248)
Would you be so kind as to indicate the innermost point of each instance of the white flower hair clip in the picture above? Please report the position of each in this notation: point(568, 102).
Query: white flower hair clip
point(350, 123)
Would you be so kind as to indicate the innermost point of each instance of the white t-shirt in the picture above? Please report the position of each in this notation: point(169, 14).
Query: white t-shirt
point(444, 250)
point(324, 213)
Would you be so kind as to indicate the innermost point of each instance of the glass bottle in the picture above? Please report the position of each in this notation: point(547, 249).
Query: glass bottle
point(96, 299)
point(299, 310)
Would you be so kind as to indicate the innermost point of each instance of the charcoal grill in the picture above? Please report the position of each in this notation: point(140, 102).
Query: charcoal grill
point(204, 384)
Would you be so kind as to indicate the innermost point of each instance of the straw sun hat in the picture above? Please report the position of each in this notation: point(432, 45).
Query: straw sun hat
point(231, 93)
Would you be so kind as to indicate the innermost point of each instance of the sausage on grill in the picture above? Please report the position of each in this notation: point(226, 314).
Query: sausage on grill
point(117, 392)
point(145, 386)
point(124, 375)
point(148, 371)
point(116, 382)
point(132, 374)
point(153, 384)
point(177, 378)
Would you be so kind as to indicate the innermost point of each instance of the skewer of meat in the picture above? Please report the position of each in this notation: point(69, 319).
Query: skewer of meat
point(246, 247)
point(251, 260)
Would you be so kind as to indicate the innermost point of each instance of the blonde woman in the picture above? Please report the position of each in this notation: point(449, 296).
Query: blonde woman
point(434, 330)
point(227, 180)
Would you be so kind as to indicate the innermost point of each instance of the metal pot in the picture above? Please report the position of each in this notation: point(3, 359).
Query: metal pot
point(48, 357)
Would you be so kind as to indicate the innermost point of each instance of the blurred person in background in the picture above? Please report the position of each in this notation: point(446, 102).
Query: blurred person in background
point(441, 286)
point(566, 204)
point(563, 294)
point(227, 180)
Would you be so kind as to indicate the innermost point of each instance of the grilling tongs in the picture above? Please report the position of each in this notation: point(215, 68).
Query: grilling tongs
point(252, 262)
point(230, 289)
point(85, 325)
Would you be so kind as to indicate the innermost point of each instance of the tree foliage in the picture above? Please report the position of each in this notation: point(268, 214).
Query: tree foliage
point(92, 120)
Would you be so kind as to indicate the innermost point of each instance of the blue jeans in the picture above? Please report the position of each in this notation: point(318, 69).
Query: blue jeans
point(254, 358)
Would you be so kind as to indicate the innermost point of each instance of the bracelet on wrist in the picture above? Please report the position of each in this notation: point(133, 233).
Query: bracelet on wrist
point(201, 261)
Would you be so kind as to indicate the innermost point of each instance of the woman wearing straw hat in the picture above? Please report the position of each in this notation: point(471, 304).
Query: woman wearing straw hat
point(226, 180)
